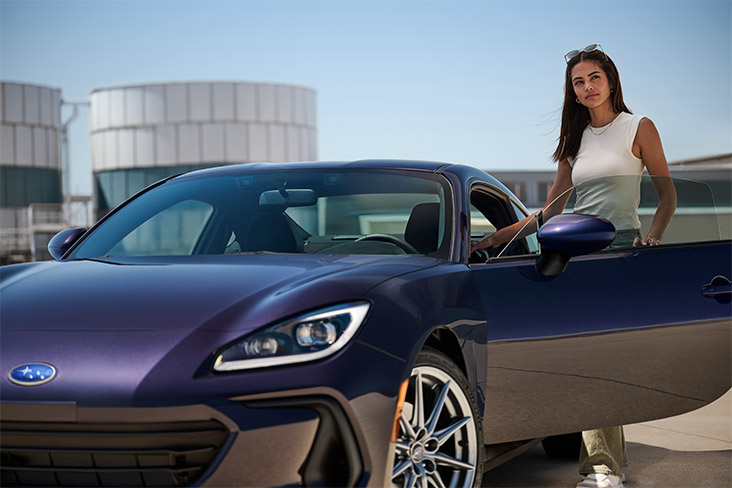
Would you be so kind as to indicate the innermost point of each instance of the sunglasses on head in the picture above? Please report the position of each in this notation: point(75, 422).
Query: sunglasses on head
point(587, 49)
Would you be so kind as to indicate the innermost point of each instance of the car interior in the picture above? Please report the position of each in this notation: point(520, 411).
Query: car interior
point(491, 211)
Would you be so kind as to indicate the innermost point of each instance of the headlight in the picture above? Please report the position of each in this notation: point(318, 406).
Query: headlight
point(305, 338)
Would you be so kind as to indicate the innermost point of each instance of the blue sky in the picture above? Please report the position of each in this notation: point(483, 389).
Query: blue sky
point(474, 82)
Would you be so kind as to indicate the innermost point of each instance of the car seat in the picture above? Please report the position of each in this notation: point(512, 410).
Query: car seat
point(270, 231)
point(423, 227)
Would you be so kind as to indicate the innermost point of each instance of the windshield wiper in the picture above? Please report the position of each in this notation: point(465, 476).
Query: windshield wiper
point(98, 259)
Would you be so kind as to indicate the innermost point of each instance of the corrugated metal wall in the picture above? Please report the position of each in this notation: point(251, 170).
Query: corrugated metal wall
point(179, 124)
point(30, 156)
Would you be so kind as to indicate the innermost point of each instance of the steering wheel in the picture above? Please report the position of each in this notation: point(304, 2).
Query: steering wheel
point(481, 256)
point(403, 245)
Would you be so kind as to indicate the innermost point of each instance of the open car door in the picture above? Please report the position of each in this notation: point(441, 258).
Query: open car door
point(622, 335)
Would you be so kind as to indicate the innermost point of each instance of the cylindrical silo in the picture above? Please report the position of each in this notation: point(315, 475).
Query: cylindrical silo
point(142, 133)
point(31, 209)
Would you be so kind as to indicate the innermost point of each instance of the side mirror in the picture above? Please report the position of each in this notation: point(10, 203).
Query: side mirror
point(567, 235)
point(62, 242)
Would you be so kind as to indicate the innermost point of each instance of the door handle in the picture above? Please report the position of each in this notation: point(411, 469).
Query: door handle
point(720, 288)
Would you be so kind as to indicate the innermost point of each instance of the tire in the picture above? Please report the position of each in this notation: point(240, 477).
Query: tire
point(565, 446)
point(447, 451)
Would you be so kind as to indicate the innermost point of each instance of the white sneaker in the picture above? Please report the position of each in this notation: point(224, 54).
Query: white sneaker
point(597, 480)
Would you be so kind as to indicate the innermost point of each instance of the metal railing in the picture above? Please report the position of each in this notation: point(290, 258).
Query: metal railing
point(43, 220)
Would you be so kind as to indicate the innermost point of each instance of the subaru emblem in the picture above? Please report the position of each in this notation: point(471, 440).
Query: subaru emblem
point(32, 374)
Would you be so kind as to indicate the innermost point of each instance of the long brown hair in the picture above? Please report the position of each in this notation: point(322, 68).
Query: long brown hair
point(576, 116)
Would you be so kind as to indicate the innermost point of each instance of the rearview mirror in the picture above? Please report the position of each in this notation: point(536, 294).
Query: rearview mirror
point(567, 235)
point(288, 197)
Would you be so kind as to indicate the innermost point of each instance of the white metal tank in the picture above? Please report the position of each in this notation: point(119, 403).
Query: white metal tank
point(141, 133)
point(30, 165)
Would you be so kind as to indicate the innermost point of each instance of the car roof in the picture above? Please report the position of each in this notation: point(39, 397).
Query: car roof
point(429, 166)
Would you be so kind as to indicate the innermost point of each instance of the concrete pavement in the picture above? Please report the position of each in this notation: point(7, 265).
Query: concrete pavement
point(693, 450)
point(706, 429)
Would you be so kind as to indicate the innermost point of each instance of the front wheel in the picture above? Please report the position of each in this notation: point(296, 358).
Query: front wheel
point(440, 439)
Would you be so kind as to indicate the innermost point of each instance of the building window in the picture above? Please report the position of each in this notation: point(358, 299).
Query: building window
point(544, 189)
point(20, 187)
point(518, 188)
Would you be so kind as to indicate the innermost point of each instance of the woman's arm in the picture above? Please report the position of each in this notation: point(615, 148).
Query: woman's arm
point(648, 147)
point(527, 226)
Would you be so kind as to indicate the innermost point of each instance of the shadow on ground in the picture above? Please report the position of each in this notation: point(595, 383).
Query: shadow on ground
point(650, 467)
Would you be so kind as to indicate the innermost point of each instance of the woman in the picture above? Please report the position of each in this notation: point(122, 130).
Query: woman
point(594, 112)
point(603, 149)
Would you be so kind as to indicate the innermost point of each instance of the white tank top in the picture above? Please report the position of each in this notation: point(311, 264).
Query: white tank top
point(606, 174)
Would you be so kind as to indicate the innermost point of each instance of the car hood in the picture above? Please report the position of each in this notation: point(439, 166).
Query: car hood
point(185, 292)
point(134, 332)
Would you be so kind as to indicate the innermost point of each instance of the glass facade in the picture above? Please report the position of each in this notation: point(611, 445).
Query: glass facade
point(22, 186)
point(114, 187)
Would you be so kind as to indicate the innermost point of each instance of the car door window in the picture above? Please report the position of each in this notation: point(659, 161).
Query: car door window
point(480, 226)
point(697, 216)
point(531, 240)
point(490, 210)
point(631, 208)
point(695, 219)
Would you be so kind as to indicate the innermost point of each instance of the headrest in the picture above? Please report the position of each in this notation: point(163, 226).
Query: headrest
point(270, 231)
point(423, 227)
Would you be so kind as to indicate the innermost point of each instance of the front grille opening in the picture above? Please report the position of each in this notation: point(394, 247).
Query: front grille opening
point(334, 459)
point(130, 455)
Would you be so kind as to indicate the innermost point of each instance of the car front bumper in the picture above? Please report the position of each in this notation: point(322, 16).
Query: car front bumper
point(309, 437)
point(304, 434)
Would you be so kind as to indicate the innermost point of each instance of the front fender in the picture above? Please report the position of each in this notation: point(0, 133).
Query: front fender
point(411, 307)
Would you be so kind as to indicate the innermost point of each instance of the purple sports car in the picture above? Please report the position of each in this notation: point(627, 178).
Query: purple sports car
point(325, 324)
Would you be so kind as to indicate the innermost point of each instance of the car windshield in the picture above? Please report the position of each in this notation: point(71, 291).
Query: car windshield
point(324, 211)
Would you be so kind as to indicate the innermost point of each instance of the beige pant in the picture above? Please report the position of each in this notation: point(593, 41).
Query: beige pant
point(603, 451)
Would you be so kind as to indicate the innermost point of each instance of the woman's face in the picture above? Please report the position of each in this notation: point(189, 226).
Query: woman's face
point(591, 85)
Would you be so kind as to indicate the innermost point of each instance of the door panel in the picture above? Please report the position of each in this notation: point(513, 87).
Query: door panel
point(619, 337)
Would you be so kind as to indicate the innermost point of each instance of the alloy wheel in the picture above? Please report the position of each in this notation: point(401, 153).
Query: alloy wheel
point(438, 443)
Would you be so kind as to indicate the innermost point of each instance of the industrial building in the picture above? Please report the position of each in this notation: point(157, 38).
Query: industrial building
point(142, 133)
point(31, 200)
point(139, 134)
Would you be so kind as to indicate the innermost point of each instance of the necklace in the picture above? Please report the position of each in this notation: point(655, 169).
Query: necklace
point(604, 128)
